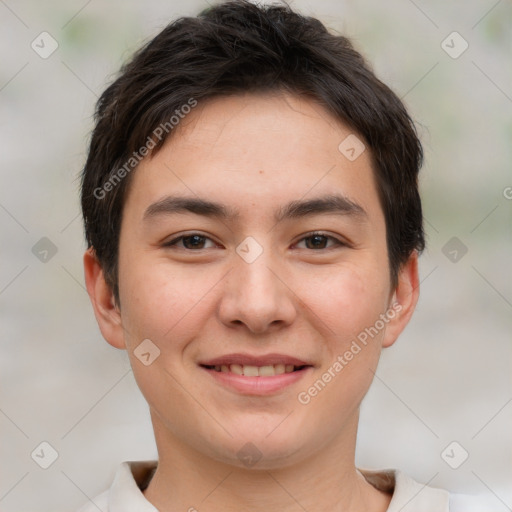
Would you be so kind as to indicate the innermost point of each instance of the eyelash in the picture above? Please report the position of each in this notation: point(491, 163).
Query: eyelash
point(337, 242)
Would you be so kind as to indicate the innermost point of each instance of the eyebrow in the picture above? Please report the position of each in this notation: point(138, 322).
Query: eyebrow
point(331, 204)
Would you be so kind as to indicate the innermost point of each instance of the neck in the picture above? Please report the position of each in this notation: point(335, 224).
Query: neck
point(328, 480)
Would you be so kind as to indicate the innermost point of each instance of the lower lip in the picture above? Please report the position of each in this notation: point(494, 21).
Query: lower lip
point(258, 385)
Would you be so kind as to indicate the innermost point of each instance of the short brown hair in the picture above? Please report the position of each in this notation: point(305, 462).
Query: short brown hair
point(236, 47)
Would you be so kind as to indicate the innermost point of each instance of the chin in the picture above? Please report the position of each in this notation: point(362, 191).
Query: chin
point(260, 447)
point(263, 455)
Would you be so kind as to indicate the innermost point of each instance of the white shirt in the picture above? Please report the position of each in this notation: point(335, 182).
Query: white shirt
point(125, 494)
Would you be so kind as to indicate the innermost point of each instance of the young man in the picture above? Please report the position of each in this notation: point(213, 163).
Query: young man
point(253, 220)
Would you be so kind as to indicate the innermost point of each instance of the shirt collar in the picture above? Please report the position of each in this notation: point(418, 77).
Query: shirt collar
point(125, 494)
point(408, 495)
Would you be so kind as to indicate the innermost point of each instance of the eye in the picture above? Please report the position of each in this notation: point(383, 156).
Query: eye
point(191, 242)
point(318, 241)
point(196, 241)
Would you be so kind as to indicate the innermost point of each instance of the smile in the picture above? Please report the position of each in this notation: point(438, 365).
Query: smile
point(256, 371)
point(256, 375)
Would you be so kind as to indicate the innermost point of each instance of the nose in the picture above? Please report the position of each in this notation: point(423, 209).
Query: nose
point(257, 297)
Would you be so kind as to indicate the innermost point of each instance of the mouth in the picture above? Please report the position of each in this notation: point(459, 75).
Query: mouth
point(251, 375)
point(269, 370)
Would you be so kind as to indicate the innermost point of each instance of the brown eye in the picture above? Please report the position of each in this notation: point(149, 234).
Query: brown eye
point(191, 242)
point(318, 241)
point(194, 241)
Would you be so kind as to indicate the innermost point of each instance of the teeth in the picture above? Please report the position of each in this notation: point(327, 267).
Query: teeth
point(255, 371)
point(236, 368)
point(279, 369)
point(266, 371)
point(250, 371)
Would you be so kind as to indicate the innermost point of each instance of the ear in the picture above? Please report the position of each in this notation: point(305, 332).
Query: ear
point(106, 311)
point(403, 300)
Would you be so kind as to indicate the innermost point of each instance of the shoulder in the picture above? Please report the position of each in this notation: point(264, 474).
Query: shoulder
point(411, 495)
point(125, 493)
point(99, 503)
point(471, 503)
point(408, 495)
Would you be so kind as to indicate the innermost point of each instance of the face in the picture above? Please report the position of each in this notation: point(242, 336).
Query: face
point(253, 257)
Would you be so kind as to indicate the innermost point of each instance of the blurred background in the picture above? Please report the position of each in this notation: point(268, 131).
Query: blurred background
point(441, 404)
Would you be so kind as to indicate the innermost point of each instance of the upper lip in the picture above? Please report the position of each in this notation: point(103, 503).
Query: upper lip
point(252, 360)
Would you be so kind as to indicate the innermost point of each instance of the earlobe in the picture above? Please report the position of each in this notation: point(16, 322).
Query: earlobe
point(105, 309)
point(404, 300)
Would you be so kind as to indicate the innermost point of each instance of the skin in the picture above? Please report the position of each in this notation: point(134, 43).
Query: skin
point(254, 154)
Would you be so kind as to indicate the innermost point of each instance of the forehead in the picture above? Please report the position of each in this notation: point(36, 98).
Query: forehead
point(256, 151)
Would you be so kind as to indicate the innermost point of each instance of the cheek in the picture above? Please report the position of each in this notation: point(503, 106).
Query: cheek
point(348, 308)
point(346, 305)
point(351, 307)
point(346, 299)
point(167, 308)
point(162, 303)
